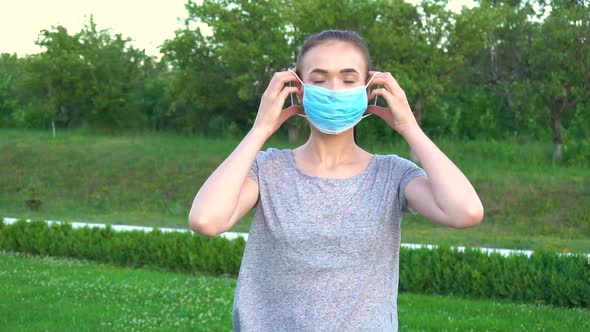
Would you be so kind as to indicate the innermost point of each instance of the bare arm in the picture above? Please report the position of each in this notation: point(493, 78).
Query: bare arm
point(228, 194)
point(446, 196)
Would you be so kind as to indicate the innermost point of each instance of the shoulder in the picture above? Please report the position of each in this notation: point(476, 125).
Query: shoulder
point(273, 157)
point(397, 167)
point(394, 161)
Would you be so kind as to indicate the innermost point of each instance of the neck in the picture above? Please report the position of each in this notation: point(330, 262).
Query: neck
point(330, 149)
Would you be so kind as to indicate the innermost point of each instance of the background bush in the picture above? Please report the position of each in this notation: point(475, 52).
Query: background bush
point(171, 251)
point(545, 277)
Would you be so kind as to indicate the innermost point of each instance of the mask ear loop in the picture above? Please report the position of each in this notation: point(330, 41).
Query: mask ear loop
point(375, 103)
point(291, 95)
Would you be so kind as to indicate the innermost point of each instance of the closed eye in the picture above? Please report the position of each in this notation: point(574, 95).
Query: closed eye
point(318, 82)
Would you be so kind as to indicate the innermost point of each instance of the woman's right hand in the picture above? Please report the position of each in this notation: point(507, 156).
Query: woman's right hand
point(271, 114)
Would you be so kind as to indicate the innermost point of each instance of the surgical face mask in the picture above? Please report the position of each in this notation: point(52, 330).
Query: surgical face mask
point(334, 111)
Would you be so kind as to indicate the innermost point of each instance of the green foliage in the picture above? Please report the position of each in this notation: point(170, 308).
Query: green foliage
point(8, 100)
point(113, 103)
point(196, 86)
point(496, 70)
point(90, 78)
point(545, 277)
point(577, 153)
point(171, 251)
point(57, 80)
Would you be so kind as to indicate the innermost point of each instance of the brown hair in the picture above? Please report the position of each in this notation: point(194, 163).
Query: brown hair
point(334, 35)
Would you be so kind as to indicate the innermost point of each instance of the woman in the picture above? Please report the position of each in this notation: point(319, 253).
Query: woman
point(322, 252)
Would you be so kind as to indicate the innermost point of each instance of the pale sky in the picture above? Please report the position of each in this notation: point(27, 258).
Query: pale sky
point(147, 22)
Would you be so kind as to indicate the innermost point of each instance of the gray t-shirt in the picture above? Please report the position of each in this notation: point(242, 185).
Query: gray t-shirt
point(322, 254)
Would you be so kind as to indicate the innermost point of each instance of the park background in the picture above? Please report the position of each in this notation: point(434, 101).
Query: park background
point(98, 130)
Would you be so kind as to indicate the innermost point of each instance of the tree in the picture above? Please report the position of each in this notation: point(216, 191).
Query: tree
point(115, 79)
point(58, 78)
point(431, 66)
point(88, 78)
point(249, 42)
point(9, 73)
point(429, 71)
point(560, 60)
point(494, 40)
point(197, 83)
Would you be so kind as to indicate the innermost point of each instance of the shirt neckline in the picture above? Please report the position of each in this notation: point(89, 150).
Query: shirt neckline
point(354, 177)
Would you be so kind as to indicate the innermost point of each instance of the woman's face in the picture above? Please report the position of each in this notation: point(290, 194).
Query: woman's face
point(334, 65)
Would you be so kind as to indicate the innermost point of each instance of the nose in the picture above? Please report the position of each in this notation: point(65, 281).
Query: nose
point(335, 84)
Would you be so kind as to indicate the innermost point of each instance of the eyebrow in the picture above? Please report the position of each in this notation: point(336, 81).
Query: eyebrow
point(342, 71)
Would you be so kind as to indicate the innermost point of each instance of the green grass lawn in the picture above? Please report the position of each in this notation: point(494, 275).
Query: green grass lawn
point(53, 294)
point(151, 180)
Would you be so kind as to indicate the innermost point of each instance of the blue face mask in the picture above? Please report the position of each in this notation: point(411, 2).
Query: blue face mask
point(334, 111)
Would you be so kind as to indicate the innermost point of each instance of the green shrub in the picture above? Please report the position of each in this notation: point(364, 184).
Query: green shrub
point(545, 277)
point(577, 153)
point(171, 251)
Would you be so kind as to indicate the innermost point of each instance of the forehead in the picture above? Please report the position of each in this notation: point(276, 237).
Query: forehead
point(333, 56)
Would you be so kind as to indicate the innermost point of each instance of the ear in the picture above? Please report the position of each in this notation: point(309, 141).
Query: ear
point(299, 86)
point(300, 95)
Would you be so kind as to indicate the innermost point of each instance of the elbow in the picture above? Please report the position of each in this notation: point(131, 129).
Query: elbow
point(202, 225)
point(470, 217)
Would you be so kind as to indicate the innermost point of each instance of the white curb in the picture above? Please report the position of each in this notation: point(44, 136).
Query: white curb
point(234, 235)
point(119, 228)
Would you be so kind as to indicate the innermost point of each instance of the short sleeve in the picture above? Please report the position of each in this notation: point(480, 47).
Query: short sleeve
point(407, 171)
point(254, 169)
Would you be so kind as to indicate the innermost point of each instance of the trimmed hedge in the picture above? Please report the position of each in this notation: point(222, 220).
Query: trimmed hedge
point(545, 277)
point(173, 251)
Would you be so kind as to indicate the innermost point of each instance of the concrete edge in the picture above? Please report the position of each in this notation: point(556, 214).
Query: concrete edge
point(234, 235)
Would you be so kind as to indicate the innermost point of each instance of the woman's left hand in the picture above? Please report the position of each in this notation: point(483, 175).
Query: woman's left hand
point(398, 114)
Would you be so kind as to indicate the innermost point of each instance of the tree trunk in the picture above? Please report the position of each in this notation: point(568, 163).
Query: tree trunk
point(557, 134)
point(294, 133)
point(418, 115)
point(556, 113)
point(418, 108)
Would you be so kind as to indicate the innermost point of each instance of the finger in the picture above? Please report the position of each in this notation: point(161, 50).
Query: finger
point(383, 92)
point(289, 112)
point(381, 112)
point(282, 77)
point(389, 82)
point(373, 72)
point(277, 77)
point(394, 85)
point(288, 90)
point(279, 80)
point(378, 110)
point(378, 79)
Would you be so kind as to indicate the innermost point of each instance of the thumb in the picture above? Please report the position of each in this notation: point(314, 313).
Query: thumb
point(382, 112)
point(289, 112)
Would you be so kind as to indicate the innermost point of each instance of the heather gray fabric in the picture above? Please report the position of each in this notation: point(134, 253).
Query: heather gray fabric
point(322, 254)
